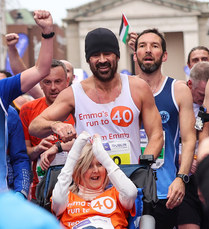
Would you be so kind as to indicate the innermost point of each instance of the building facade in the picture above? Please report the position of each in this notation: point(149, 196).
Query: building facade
point(183, 22)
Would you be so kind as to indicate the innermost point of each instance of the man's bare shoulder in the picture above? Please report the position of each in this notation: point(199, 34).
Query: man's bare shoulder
point(181, 82)
point(140, 90)
point(137, 79)
point(181, 85)
point(137, 83)
point(182, 92)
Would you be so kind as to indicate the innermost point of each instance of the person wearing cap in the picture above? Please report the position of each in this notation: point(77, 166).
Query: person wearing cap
point(108, 103)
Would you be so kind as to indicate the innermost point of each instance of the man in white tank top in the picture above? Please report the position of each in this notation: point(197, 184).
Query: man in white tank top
point(107, 103)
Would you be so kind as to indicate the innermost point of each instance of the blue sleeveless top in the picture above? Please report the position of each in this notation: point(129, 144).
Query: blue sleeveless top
point(169, 112)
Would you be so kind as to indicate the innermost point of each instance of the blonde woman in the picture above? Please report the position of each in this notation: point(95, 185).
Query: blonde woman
point(87, 202)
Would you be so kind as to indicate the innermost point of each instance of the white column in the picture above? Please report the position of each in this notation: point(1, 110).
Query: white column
point(191, 40)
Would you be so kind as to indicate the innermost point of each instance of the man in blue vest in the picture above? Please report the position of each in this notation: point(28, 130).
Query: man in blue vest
point(174, 102)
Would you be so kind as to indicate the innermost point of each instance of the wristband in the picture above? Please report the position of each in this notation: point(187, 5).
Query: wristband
point(47, 36)
point(202, 117)
point(59, 147)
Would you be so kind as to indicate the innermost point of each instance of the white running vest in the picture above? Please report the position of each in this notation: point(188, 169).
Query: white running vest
point(116, 122)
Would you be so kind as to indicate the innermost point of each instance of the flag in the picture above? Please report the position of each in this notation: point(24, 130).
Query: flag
point(124, 27)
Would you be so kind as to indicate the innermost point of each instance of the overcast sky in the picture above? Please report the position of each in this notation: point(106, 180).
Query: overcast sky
point(56, 7)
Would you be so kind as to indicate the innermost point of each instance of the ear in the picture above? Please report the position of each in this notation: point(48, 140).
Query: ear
point(189, 65)
point(68, 81)
point(189, 84)
point(165, 56)
point(41, 84)
point(134, 57)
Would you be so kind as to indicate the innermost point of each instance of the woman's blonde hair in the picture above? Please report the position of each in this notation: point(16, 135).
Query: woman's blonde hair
point(82, 166)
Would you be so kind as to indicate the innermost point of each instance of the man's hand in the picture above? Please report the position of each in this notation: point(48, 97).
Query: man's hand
point(44, 20)
point(11, 39)
point(65, 131)
point(131, 43)
point(47, 157)
point(44, 145)
point(176, 193)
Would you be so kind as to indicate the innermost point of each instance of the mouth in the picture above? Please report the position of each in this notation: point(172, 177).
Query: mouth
point(104, 68)
point(148, 59)
point(54, 95)
point(95, 178)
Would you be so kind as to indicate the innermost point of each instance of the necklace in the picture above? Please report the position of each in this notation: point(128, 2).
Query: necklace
point(158, 84)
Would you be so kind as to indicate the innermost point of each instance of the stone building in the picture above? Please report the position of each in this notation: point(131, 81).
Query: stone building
point(183, 22)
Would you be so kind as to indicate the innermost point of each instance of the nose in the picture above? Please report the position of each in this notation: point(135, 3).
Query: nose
point(95, 168)
point(102, 58)
point(148, 48)
point(52, 86)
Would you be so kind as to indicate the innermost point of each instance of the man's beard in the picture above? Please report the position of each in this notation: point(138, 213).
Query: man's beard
point(104, 76)
point(150, 68)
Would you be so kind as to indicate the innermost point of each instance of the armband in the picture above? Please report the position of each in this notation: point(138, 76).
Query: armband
point(47, 36)
point(202, 117)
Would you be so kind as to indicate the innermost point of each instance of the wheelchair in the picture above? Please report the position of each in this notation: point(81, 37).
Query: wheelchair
point(142, 175)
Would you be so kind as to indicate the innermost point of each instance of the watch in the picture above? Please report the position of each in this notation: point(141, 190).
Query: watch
point(59, 147)
point(184, 177)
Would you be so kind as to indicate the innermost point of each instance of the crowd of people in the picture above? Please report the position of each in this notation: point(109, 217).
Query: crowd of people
point(90, 128)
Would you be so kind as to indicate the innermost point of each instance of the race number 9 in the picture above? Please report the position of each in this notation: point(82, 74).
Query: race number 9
point(121, 116)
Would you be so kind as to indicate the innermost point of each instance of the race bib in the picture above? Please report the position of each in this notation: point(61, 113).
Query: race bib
point(105, 205)
point(95, 222)
point(119, 151)
point(144, 141)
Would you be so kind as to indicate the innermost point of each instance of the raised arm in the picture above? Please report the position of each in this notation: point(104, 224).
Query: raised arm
point(17, 64)
point(31, 76)
point(132, 40)
point(61, 189)
point(131, 43)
